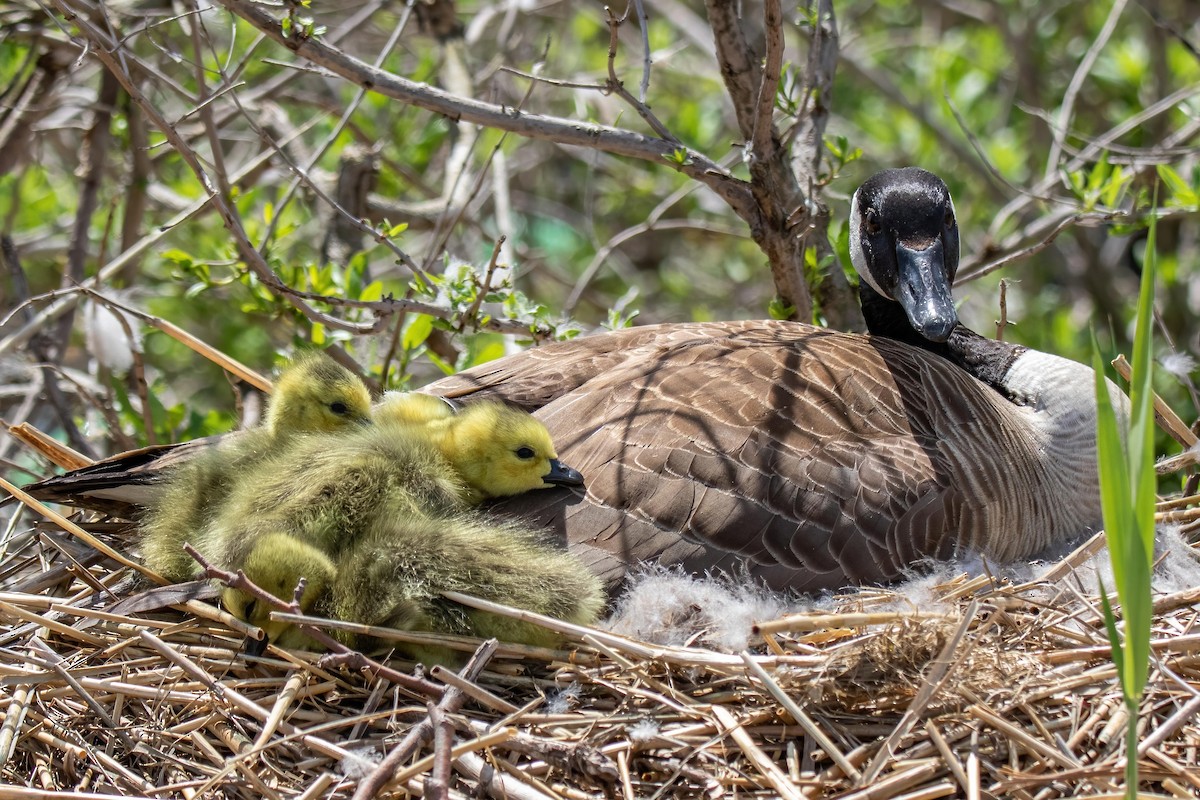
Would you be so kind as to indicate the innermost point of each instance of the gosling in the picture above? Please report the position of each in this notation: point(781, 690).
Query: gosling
point(276, 564)
point(327, 492)
point(395, 575)
point(313, 394)
point(330, 489)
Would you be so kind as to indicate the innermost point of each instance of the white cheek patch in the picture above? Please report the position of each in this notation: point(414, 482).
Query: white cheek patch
point(857, 257)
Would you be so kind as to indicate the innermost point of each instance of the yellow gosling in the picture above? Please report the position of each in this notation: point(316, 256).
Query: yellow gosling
point(276, 563)
point(313, 394)
point(394, 577)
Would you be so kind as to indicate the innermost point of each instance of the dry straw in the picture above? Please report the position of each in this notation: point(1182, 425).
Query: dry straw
point(988, 690)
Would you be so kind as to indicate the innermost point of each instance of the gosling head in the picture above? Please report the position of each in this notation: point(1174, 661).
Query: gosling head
point(502, 451)
point(315, 393)
point(904, 245)
point(276, 563)
point(413, 408)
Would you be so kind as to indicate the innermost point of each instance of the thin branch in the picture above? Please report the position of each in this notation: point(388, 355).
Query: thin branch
point(534, 126)
point(301, 175)
point(644, 27)
point(762, 137)
point(233, 223)
point(485, 287)
point(204, 108)
point(1039, 192)
point(437, 785)
point(1085, 67)
point(615, 86)
point(451, 701)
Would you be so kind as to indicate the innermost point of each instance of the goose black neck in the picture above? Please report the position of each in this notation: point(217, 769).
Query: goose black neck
point(986, 359)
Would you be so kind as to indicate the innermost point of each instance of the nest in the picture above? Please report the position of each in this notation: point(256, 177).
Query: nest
point(988, 689)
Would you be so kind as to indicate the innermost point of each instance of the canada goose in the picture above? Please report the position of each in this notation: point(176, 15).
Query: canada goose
point(806, 457)
point(314, 394)
point(395, 575)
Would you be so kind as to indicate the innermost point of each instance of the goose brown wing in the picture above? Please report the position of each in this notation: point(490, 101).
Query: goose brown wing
point(536, 377)
point(122, 484)
point(125, 483)
point(809, 459)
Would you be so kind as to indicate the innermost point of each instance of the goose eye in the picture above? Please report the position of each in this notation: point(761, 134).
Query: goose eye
point(338, 407)
point(525, 453)
point(872, 223)
point(949, 218)
point(249, 609)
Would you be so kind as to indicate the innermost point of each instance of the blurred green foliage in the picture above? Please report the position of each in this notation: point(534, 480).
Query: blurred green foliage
point(971, 91)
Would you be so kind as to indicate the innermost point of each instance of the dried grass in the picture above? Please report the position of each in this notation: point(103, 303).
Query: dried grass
point(1003, 690)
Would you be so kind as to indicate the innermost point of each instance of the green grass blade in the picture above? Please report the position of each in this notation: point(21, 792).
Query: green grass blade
point(1114, 636)
point(1114, 475)
point(1127, 496)
point(1137, 598)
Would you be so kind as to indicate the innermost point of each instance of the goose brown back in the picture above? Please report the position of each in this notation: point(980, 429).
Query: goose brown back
point(809, 458)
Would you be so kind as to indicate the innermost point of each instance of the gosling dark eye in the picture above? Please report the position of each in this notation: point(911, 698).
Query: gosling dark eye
point(873, 226)
point(949, 218)
point(338, 408)
point(249, 610)
point(525, 453)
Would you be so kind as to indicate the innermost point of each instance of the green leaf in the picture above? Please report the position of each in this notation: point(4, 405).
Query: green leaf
point(1114, 636)
point(417, 331)
point(1183, 193)
point(779, 309)
point(372, 292)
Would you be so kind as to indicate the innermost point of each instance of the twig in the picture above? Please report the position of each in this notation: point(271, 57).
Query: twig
point(1067, 108)
point(533, 126)
point(103, 49)
point(437, 785)
point(341, 653)
point(451, 701)
point(802, 719)
point(1166, 417)
point(615, 85)
point(1002, 323)
point(774, 776)
point(484, 288)
point(939, 670)
point(644, 27)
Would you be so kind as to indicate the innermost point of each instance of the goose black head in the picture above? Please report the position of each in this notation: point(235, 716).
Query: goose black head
point(904, 245)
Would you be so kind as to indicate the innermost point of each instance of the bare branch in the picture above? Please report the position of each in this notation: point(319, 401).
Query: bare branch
point(534, 126)
point(615, 86)
point(1068, 102)
point(763, 131)
point(644, 27)
point(103, 50)
point(739, 66)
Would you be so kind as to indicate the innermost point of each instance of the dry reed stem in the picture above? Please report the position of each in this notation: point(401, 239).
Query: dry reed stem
point(1019, 700)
